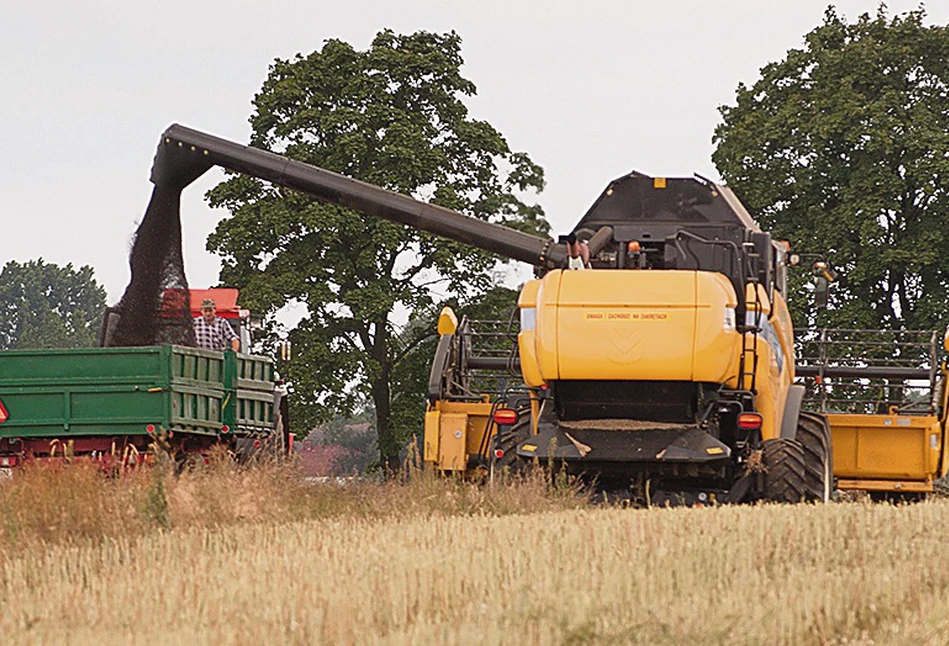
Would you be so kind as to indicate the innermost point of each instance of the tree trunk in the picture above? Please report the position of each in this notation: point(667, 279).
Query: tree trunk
point(382, 401)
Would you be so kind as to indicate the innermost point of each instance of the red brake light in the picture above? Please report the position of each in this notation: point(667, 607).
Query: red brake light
point(256, 444)
point(225, 428)
point(749, 421)
point(8, 461)
point(150, 429)
point(505, 416)
point(499, 453)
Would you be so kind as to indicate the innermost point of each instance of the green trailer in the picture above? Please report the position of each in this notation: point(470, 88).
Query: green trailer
point(112, 402)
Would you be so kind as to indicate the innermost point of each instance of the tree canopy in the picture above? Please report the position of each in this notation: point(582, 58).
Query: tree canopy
point(842, 148)
point(43, 305)
point(392, 115)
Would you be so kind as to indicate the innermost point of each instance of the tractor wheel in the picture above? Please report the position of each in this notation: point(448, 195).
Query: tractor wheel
point(813, 433)
point(785, 472)
point(507, 442)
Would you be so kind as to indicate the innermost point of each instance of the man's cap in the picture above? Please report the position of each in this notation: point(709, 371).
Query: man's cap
point(208, 302)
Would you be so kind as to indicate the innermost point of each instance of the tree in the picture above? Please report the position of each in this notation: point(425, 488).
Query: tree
point(843, 149)
point(394, 116)
point(43, 305)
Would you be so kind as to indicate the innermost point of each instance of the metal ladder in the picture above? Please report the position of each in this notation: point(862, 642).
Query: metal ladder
point(749, 342)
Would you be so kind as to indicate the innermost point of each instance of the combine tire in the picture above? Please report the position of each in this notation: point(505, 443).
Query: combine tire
point(785, 470)
point(813, 433)
point(508, 442)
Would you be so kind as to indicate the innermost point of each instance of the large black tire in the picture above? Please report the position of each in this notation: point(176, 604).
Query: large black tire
point(785, 472)
point(510, 462)
point(813, 432)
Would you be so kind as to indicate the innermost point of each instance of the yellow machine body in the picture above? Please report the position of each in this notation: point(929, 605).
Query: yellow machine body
point(453, 432)
point(887, 452)
point(653, 326)
point(891, 452)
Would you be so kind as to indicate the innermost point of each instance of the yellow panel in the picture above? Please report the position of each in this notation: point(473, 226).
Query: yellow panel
point(528, 295)
point(913, 486)
point(717, 349)
point(472, 419)
point(530, 368)
point(474, 435)
point(468, 408)
point(944, 407)
point(546, 330)
point(430, 439)
point(772, 392)
point(763, 301)
point(626, 325)
point(453, 429)
point(530, 371)
point(781, 319)
point(885, 446)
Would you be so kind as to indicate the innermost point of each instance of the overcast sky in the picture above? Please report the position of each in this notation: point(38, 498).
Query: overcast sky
point(590, 89)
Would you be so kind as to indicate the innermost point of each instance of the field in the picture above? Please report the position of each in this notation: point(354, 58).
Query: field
point(255, 556)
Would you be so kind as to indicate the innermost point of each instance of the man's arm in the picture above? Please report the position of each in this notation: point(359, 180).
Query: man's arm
point(231, 335)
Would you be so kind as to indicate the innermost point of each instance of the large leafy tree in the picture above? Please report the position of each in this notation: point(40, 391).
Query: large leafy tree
point(43, 305)
point(393, 115)
point(843, 149)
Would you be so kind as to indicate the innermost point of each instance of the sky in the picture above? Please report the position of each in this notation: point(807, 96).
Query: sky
point(589, 89)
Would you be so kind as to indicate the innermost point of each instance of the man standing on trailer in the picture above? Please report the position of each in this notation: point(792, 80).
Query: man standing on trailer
point(212, 332)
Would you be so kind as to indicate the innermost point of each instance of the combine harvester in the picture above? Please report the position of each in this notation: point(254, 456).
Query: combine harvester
point(884, 395)
point(665, 370)
point(109, 404)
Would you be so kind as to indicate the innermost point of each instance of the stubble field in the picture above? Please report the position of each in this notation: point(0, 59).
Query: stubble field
point(255, 556)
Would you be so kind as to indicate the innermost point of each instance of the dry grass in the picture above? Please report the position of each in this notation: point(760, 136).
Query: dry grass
point(447, 562)
point(753, 575)
point(77, 503)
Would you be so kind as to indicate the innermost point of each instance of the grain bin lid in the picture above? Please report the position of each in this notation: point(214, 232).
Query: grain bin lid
point(225, 301)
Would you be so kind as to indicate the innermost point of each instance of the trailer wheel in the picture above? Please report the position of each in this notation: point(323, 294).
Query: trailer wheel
point(784, 470)
point(813, 432)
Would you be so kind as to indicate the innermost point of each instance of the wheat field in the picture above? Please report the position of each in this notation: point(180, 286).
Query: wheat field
point(452, 563)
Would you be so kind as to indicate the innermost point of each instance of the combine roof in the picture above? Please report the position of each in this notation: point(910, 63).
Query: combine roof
point(639, 198)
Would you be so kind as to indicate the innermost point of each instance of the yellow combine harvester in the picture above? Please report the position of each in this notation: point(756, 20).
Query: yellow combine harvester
point(884, 395)
point(666, 368)
point(663, 368)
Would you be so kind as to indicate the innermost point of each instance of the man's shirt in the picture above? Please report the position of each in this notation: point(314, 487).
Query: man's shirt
point(215, 335)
